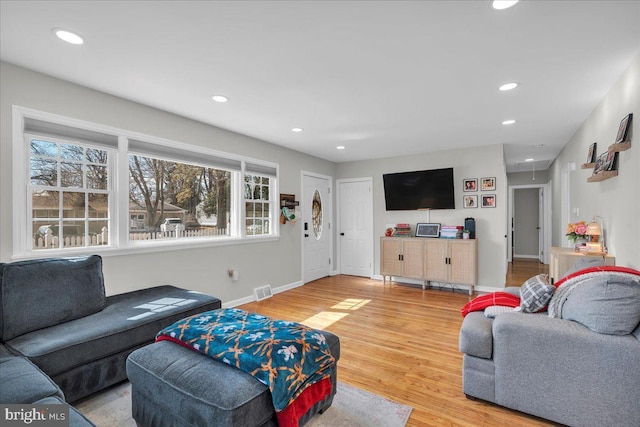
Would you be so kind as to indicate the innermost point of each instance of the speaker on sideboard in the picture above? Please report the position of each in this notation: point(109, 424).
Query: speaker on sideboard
point(470, 224)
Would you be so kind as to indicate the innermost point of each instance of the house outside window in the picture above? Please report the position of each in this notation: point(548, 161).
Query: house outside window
point(69, 191)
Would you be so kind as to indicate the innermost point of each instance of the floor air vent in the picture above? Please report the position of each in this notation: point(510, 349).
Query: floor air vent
point(263, 292)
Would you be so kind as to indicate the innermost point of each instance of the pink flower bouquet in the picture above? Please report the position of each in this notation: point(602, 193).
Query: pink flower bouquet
point(577, 230)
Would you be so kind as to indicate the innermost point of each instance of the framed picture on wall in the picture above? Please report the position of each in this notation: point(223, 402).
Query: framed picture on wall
point(488, 183)
point(591, 155)
point(470, 184)
point(623, 130)
point(488, 200)
point(612, 161)
point(470, 202)
point(601, 163)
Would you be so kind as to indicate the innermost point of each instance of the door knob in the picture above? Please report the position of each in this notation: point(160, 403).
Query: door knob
point(342, 234)
point(306, 235)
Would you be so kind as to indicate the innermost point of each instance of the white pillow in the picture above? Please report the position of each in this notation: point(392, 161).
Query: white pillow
point(493, 310)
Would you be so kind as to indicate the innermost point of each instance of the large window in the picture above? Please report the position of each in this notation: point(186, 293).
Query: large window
point(89, 186)
point(173, 200)
point(69, 190)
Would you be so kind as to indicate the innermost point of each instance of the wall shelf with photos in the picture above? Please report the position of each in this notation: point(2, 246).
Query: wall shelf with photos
point(620, 146)
point(601, 176)
point(605, 165)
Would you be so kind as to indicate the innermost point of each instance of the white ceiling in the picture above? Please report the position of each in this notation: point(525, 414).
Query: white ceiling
point(382, 78)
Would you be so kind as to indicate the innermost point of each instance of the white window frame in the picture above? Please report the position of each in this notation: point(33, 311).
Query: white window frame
point(30, 188)
point(119, 243)
point(273, 218)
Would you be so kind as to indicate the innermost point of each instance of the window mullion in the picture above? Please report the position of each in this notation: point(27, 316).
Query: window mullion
point(120, 182)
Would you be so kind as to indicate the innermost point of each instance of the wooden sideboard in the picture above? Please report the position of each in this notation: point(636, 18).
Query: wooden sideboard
point(561, 259)
point(437, 260)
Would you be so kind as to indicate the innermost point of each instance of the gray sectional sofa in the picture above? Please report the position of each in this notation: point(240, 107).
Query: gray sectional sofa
point(581, 368)
point(62, 338)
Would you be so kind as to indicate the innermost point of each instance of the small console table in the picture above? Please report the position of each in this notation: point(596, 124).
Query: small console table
point(561, 259)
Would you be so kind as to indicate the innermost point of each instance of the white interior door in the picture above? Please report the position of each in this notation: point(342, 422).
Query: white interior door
point(316, 227)
point(355, 213)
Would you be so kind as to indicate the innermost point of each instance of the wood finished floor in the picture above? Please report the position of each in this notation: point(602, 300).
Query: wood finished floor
point(400, 342)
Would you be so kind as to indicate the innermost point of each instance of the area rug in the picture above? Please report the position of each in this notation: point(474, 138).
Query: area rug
point(352, 407)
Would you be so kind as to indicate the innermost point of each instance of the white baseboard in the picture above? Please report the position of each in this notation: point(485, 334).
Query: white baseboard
point(287, 287)
point(237, 302)
point(252, 298)
point(487, 289)
point(526, 256)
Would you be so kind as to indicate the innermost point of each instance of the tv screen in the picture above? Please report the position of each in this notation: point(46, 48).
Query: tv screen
point(428, 189)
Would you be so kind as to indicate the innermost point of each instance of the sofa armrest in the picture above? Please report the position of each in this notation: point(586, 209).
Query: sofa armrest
point(475, 335)
point(555, 368)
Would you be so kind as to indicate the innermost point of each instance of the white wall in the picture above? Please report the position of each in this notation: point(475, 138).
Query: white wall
point(526, 178)
point(616, 200)
point(466, 163)
point(202, 269)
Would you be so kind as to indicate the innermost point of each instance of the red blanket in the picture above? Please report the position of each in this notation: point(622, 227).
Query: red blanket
point(481, 302)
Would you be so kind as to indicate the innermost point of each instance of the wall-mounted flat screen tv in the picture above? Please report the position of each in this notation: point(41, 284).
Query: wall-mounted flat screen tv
point(428, 189)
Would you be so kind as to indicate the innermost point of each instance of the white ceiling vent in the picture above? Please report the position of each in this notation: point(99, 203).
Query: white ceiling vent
point(263, 292)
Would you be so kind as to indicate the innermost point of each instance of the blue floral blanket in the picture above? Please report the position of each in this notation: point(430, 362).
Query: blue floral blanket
point(287, 357)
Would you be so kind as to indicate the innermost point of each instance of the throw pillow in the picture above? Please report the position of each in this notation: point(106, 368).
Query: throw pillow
point(607, 303)
point(535, 294)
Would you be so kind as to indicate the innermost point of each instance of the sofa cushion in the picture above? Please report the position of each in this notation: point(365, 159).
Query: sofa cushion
point(23, 382)
point(36, 294)
point(4, 353)
point(605, 303)
point(128, 321)
point(535, 294)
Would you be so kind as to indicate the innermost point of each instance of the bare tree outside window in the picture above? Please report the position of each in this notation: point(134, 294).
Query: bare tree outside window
point(177, 199)
point(69, 187)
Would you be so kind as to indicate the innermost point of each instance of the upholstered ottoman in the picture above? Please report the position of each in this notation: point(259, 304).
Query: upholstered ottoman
point(175, 386)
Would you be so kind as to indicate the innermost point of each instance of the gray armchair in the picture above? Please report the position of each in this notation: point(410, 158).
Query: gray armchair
point(580, 369)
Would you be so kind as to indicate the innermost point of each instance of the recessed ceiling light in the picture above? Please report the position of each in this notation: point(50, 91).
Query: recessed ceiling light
point(508, 86)
point(528, 160)
point(296, 129)
point(503, 4)
point(67, 36)
point(508, 122)
point(340, 147)
point(219, 98)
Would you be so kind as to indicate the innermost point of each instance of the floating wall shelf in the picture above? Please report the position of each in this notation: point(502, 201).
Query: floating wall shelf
point(601, 176)
point(620, 146)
